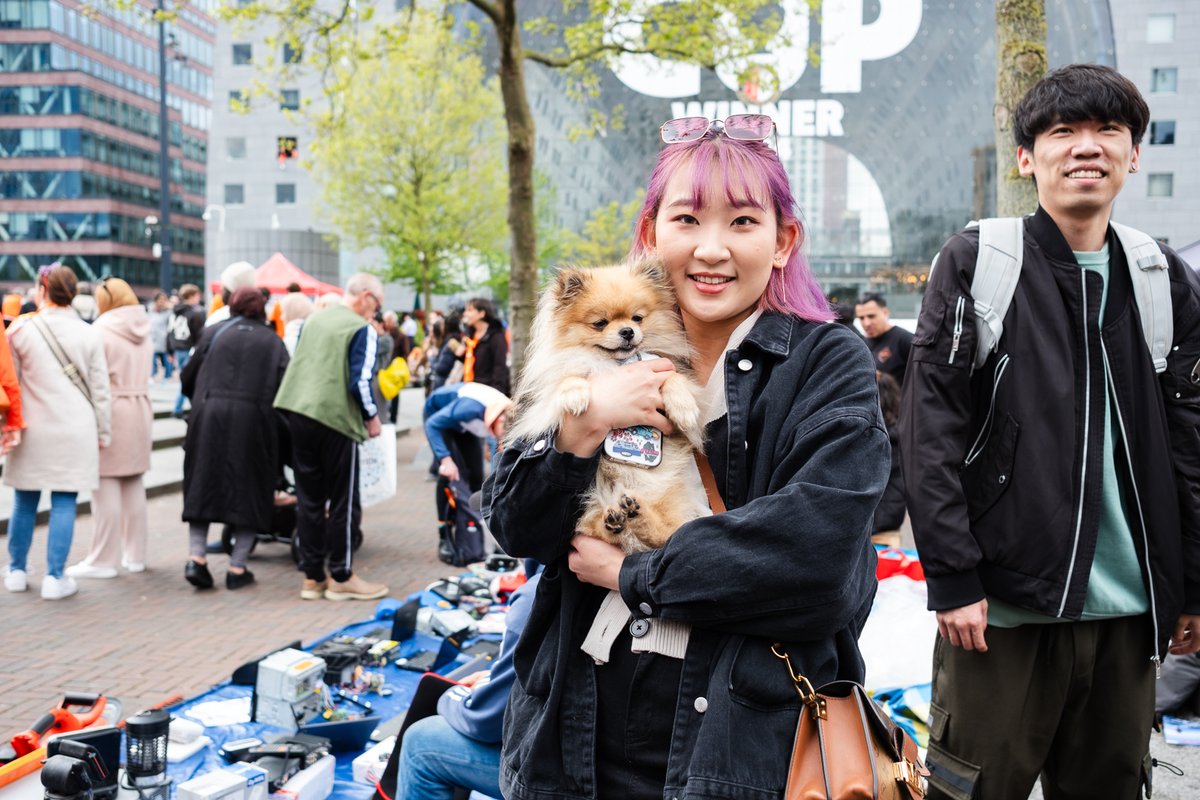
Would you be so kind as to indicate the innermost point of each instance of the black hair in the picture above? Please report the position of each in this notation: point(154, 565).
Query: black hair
point(873, 297)
point(889, 398)
point(488, 309)
point(1079, 92)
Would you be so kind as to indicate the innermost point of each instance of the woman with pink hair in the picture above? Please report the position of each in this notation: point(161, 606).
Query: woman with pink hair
point(680, 693)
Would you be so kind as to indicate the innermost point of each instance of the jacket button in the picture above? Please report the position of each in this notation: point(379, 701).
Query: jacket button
point(639, 628)
point(645, 609)
point(1003, 478)
point(701, 705)
point(745, 365)
point(539, 445)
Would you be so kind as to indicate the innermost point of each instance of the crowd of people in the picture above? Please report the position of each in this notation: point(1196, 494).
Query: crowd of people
point(1048, 456)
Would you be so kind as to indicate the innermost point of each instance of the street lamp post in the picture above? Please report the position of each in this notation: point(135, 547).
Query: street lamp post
point(165, 277)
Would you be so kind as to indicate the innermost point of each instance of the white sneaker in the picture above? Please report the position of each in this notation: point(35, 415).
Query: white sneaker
point(15, 580)
point(134, 566)
point(57, 588)
point(86, 569)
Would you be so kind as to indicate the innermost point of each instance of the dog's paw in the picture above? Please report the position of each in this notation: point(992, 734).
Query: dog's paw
point(574, 394)
point(680, 404)
point(614, 521)
point(630, 506)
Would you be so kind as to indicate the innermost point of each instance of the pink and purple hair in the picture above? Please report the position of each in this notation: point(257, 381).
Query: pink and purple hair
point(748, 169)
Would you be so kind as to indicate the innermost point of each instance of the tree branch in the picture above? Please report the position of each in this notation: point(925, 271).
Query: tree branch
point(488, 8)
point(559, 62)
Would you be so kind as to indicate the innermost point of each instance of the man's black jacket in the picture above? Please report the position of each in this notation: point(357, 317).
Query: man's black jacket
point(1003, 464)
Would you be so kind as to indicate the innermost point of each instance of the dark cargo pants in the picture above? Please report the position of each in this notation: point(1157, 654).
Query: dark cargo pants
point(1073, 701)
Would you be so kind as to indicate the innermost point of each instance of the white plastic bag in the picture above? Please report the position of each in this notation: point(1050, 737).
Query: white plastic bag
point(377, 467)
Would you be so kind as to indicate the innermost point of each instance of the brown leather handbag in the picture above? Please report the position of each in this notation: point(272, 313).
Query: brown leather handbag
point(847, 748)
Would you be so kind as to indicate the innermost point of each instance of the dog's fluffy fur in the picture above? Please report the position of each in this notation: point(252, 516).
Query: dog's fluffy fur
point(594, 319)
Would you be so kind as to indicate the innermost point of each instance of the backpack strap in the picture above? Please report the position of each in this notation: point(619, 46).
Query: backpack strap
point(997, 270)
point(1151, 290)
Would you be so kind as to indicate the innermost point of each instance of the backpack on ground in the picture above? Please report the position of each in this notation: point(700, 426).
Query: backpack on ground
point(998, 268)
point(460, 528)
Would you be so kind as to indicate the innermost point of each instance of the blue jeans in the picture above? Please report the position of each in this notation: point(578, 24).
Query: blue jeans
point(62, 529)
point(165, 359)
point(435, 759)
point(181, 359)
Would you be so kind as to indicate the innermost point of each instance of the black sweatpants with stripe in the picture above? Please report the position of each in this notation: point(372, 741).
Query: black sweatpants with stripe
point(326, 467)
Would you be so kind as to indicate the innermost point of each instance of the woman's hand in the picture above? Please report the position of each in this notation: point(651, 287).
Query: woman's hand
point(11, 441)
point(596, 562)
point(619, 398)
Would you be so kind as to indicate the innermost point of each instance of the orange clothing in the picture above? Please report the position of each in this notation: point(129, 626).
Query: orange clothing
point(469, 360)
point(13, 421)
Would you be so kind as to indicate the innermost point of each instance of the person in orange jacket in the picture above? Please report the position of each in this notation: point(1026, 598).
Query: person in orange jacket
point(14, 423)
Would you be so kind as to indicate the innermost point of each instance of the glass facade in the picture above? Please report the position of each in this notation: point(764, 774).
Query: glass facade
point(119, 47)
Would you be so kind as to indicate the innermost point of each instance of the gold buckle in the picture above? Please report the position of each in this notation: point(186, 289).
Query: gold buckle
point(908, 773)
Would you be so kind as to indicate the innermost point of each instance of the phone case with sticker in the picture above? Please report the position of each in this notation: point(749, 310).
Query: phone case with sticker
point(640, 445)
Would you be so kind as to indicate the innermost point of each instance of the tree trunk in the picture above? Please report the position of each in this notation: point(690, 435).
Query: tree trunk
point(1020, 62)
point(426, 289)
point(523, 281)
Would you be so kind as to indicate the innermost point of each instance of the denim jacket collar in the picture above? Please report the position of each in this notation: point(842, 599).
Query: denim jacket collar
point(772, 334)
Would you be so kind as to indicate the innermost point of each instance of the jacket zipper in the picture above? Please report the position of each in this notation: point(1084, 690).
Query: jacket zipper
point(959, 307)
point(985, 431)
point(1138, 501)
point(1087, 424)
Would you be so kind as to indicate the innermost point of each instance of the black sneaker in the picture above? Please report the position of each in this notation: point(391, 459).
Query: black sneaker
point(235, 580)
point(197, 575)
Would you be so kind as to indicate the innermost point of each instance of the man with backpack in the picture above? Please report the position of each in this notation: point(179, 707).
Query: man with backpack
point(187, 322)
point(1052, 465)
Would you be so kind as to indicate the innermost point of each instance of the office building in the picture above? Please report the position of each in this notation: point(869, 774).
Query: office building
point(79, 132)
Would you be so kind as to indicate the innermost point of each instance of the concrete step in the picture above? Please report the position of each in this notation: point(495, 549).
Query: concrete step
point(166, 459)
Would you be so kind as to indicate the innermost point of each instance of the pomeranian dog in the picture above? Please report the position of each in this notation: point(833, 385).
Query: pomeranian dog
point(590, 320)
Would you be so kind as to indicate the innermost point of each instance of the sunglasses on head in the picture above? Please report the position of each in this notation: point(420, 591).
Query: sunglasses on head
point(742, 127)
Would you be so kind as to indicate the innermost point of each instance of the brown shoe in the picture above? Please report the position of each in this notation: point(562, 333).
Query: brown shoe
point(312, 590)
point(355, 588)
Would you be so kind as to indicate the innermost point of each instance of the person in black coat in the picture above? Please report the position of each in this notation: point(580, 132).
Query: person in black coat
point(889, 514)
point(487, 346)
point(231, 453)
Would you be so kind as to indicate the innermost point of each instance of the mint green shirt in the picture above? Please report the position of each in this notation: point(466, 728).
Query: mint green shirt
point(1115, 587)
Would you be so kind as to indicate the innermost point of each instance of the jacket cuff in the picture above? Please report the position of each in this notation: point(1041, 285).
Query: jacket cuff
point(955, 590)
point(634, 583)
point(567, 470)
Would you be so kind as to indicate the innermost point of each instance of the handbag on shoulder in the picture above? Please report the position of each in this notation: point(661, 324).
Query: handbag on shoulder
point(847, 748)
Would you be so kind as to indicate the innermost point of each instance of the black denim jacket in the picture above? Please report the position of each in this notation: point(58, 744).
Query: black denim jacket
point(805, 460)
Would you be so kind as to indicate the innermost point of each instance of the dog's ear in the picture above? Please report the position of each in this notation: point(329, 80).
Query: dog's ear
point(569, 283)
point(651, 269)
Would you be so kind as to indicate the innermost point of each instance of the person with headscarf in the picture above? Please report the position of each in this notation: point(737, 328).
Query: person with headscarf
point(231, 454)
point(63, 374)
point(119, 503)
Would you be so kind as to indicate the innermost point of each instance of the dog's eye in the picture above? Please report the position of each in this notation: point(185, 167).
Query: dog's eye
point(638, 317)
point(600, 324)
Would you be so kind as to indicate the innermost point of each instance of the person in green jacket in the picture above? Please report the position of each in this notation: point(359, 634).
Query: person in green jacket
point(327, 400)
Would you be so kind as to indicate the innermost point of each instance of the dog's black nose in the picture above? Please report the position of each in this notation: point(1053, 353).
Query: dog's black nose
point(626, 333)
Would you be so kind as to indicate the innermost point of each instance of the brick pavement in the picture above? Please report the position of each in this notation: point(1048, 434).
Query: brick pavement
point(141, 638)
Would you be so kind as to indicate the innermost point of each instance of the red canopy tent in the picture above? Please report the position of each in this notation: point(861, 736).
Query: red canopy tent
point(277, 273)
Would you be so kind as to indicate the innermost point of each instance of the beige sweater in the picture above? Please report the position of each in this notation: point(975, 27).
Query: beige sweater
point(59, 449)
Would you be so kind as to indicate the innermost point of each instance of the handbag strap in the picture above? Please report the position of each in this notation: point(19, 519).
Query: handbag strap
point(710, 483)
point(68, 366)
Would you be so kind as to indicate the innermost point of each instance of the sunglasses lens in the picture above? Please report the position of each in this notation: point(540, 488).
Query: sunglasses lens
point(748, 127)
point(684, 129)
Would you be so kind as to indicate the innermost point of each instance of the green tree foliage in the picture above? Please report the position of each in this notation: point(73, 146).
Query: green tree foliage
point(583, 37)
point(413, 159)
point(606, 235)
point(1020, 63)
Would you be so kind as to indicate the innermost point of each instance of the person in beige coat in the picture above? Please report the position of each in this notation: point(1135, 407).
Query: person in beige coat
point(119, 504)
point(66, 424)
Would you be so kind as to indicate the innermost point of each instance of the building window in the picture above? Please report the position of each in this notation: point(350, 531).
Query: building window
point(1164, 79)
point(1160, 184)
point(291, 55)
point(285, 194)
point(238, 101)
point(1160, 28)
point(242, 54)
point(235, 194)
point(290, 100)
point(235, 148)
point(1162, 131)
